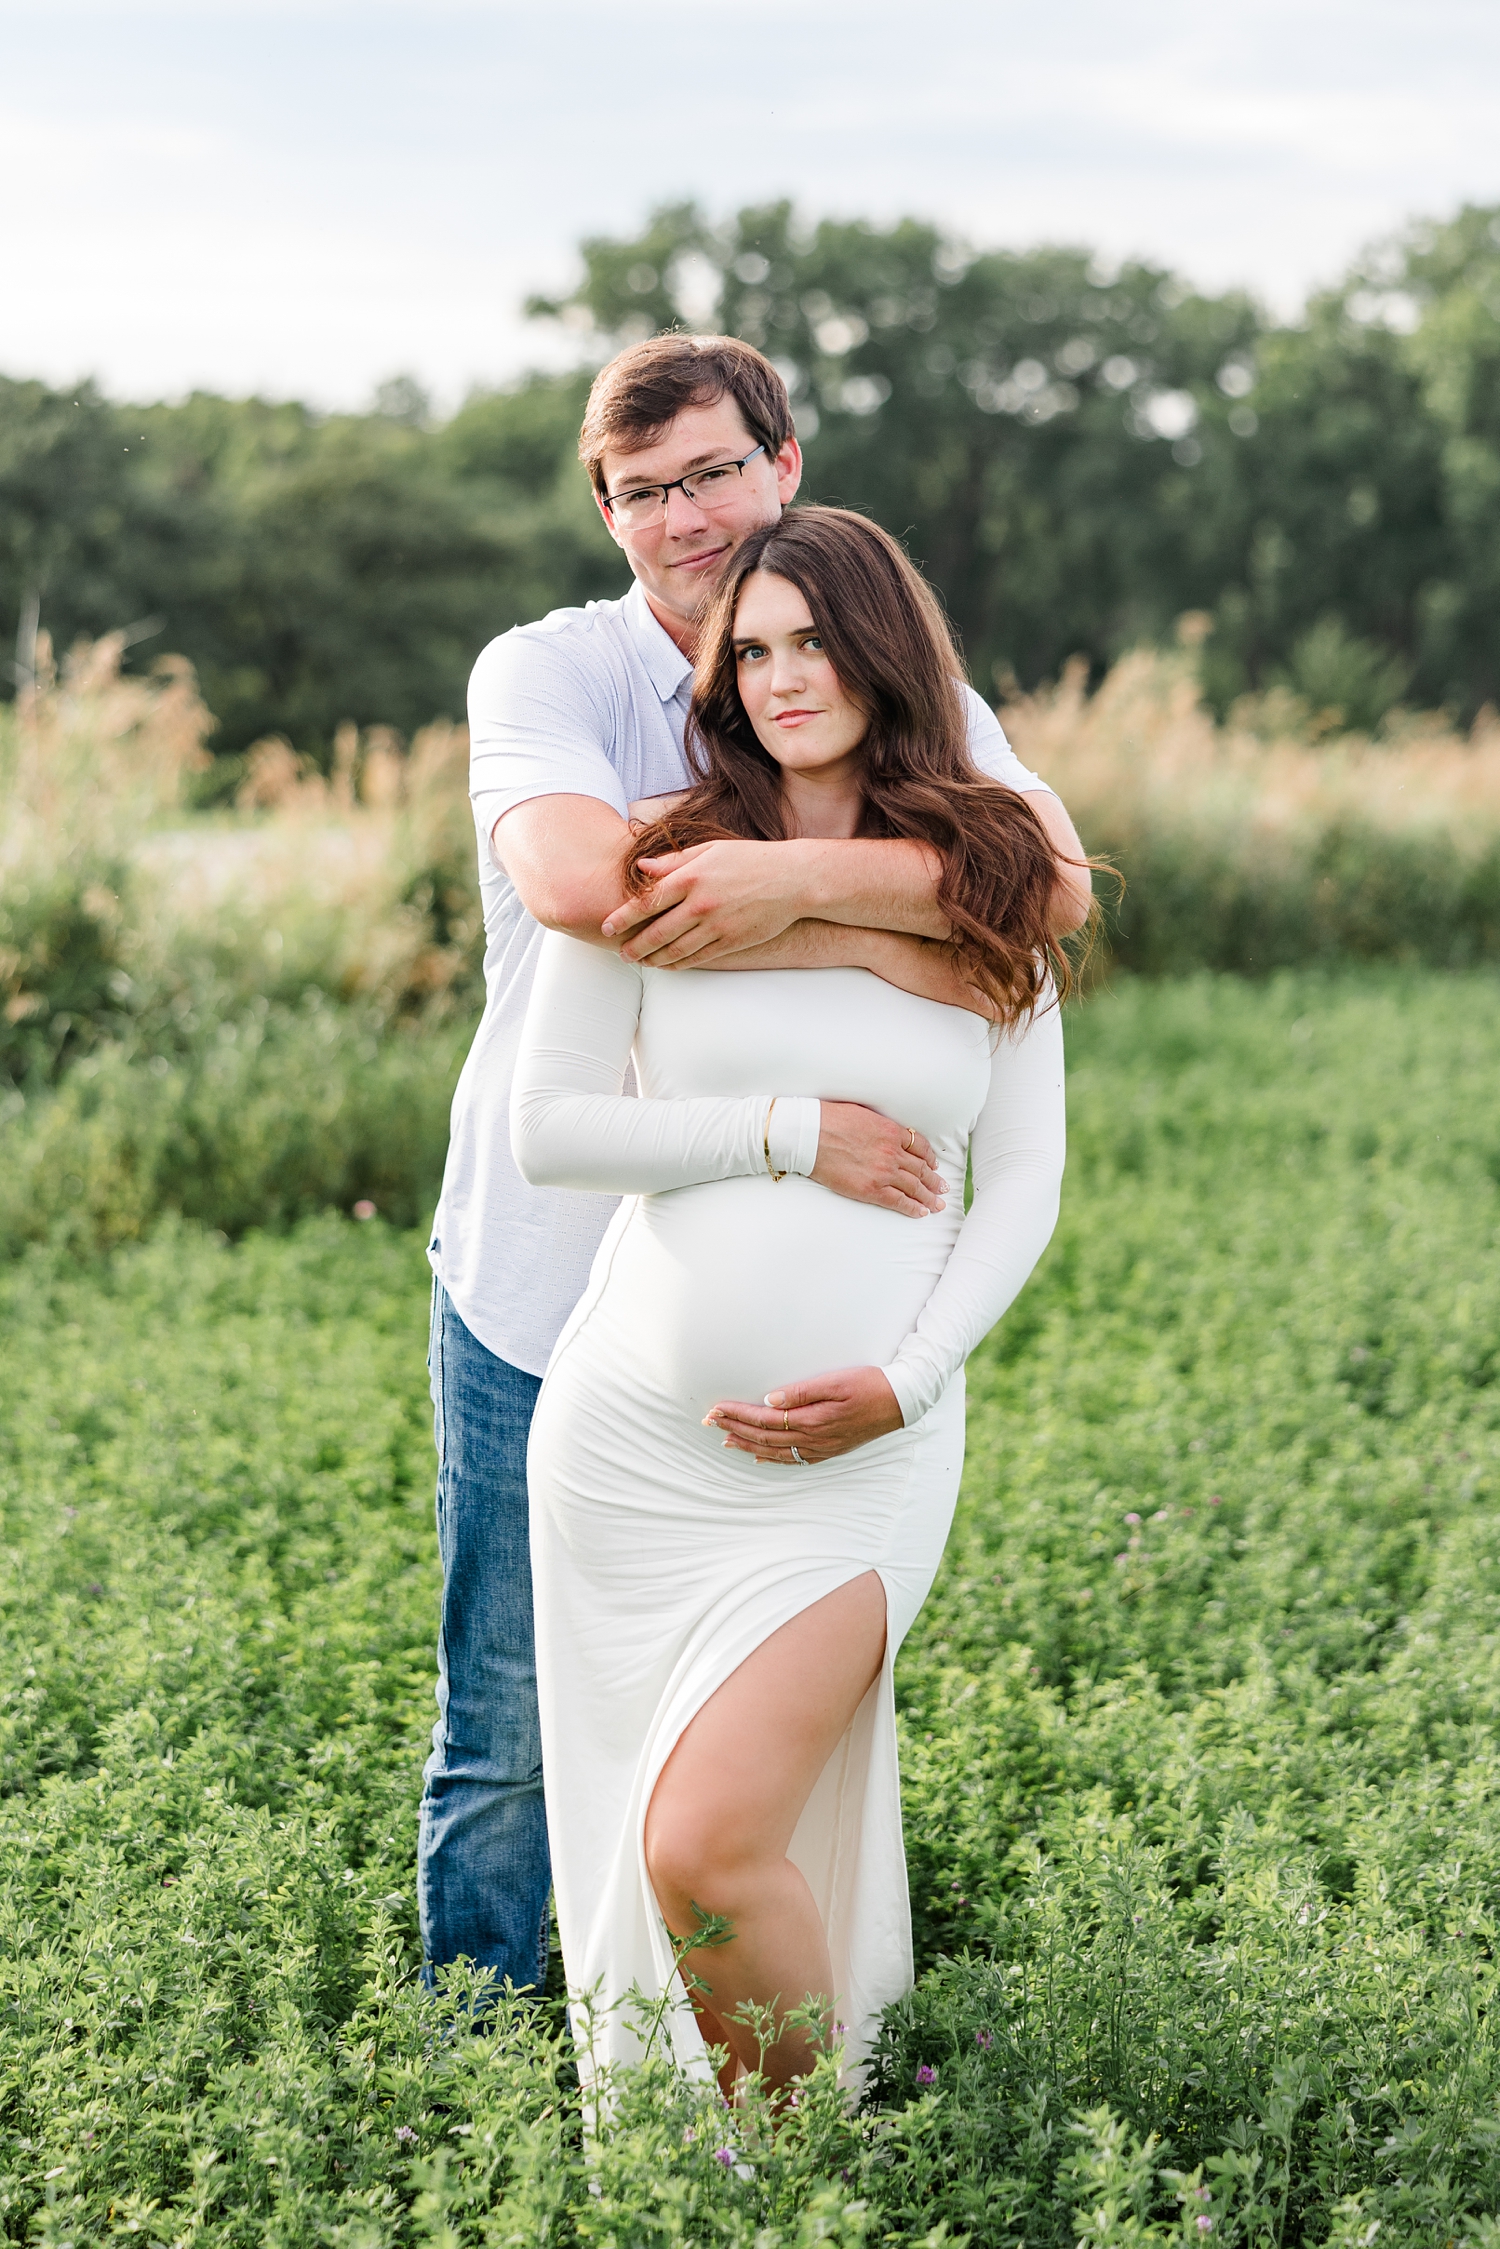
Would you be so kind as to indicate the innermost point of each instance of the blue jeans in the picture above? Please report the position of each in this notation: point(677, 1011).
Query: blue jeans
point(483, 1871)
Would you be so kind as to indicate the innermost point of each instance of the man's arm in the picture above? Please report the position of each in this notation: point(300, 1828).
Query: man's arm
point(564, 855)
point(913, 964)
point(1073, 891)
point(695, 908)
point(719, 901)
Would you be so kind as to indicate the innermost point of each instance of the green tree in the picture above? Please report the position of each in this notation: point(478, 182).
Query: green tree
point(1075, 454)
point(1026, 422)
point(1451, 275)
point(314, 569)
point(1078, 455)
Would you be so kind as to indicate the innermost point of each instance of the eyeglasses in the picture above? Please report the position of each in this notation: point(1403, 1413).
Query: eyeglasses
point(640, 504)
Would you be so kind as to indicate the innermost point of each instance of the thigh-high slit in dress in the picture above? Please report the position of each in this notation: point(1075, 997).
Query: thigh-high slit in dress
point(660, 1559)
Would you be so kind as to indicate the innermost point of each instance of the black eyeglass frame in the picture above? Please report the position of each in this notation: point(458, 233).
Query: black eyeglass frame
point(681, 483)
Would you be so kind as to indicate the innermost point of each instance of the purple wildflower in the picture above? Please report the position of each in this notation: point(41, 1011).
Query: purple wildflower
point(1205, 2225)
point(984, 2038)
point(926, 2076)
point(724, 2155)
point(406, 2135)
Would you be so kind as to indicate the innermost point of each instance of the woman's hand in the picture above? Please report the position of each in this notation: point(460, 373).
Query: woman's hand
point(871, 1159)
point(832, 1414)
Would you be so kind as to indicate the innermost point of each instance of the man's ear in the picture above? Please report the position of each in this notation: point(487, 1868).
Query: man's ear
point(788, 468)
point(607, 518)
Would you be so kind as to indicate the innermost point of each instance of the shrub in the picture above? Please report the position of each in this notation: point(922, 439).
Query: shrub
point(280, 1113)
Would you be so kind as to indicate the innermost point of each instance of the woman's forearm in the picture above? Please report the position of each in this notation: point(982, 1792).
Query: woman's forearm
point(571, 1125)
point(610, 1145)
point(1017, 1153)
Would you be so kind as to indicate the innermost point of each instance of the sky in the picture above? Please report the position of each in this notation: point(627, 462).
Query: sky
point(304, 200)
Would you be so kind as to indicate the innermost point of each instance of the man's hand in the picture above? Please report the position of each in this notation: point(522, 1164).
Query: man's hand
point(713, 899)
point(832, 1414)
point(870, 1159)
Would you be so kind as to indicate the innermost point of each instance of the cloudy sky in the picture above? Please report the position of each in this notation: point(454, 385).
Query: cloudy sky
point(305, 199)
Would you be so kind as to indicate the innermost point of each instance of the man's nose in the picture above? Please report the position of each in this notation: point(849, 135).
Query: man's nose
point(684, 516)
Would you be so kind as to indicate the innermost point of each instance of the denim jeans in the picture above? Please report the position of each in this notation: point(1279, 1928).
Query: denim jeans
point(483, 1872)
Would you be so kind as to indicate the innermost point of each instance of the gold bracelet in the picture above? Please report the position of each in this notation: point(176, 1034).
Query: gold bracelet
point(766, 1144)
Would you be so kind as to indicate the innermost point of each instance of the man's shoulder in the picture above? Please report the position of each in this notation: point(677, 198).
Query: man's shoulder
point(593, 623)
point(572, 642)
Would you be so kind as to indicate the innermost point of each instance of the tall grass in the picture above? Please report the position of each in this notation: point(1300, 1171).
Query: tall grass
point(240, 1015)
point(1252, 847)
point(250, 1012)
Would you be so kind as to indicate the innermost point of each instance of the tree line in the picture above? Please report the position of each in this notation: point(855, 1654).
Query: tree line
point(1077, 454)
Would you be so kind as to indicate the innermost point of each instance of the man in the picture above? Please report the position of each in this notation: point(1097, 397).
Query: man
point(690, 445)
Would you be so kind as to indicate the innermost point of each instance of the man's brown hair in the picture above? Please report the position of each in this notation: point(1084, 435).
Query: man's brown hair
point(645, 388)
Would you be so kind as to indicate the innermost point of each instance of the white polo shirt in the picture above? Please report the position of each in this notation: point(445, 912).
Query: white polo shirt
point(589, 702)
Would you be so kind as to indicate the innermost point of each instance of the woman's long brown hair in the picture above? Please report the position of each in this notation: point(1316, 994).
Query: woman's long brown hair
point(889, 643)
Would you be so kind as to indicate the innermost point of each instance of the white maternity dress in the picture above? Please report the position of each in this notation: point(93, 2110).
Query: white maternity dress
point(661, 1560)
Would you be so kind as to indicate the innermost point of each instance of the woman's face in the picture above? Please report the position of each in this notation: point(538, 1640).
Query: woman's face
point(791, 693)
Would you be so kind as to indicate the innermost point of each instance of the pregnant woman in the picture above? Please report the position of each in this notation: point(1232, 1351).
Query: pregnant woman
point(724, 1572)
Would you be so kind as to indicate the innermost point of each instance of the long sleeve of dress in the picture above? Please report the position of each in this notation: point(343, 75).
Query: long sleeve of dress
point(1017, 1152)
point(570, 1123)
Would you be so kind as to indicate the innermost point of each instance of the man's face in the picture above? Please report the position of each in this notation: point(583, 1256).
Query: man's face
point(679, 557)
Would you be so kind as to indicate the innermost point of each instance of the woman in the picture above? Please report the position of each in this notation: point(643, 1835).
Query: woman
point(722, 1585)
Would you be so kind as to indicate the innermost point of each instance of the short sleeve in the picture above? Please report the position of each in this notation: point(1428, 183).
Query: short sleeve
point(539, 720)
point(990, 750)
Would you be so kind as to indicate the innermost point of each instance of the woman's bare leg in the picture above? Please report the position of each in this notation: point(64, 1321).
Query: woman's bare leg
point(723, 1810)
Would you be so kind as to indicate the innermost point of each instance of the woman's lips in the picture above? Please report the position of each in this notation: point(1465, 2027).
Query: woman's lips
point(793, 718)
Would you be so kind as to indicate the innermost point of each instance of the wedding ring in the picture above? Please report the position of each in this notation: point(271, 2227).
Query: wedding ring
point(801, 1463)
point(786, 1419)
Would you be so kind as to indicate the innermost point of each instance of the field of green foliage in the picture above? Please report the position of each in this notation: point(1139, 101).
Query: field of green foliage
point(1202, 1723)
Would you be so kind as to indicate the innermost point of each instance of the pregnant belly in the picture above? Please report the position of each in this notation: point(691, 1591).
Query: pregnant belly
point(731, 1289)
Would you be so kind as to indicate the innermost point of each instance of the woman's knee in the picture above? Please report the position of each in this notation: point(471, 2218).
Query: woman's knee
point(694, 1860)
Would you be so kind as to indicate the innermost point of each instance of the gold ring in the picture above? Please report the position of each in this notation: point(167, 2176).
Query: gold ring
point(786, 1419)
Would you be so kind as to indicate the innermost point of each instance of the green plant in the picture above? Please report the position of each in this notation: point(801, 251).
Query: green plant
point(1201, 1724)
